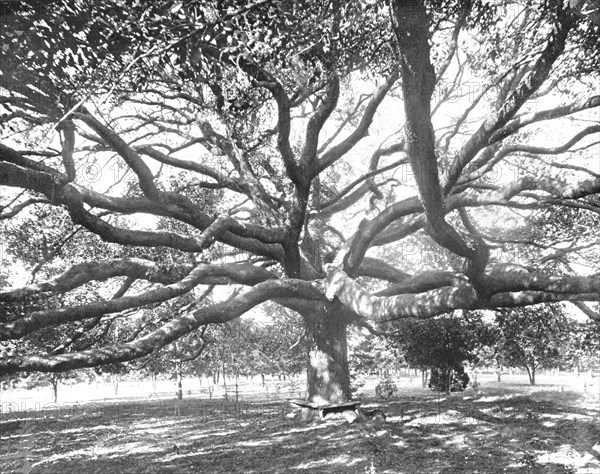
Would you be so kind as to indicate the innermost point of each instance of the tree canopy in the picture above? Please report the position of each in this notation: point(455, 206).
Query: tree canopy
point(533, 337)
point(444, 343)
point(289, 152)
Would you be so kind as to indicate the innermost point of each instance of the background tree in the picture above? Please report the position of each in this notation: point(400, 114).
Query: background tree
point(372, 356)
point(285, 147)
point(533, 337)
point(581, 352)
point(442, 346)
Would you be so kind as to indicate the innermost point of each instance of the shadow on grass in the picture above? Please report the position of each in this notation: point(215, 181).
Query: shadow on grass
point(497, 431)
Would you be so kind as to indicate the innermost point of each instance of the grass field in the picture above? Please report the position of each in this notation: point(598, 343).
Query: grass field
point(504, 427)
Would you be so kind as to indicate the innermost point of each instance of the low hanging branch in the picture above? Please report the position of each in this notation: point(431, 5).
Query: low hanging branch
point(202, 274)
point(507, 288)
point(169, 332)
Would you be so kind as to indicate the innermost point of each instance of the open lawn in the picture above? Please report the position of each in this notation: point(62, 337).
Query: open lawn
point(505, 427)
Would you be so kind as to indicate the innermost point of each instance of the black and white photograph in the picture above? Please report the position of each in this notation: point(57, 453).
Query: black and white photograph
point(314, 237)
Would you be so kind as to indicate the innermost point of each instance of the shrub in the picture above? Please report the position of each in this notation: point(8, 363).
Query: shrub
point(439, 380)
point(386, 389)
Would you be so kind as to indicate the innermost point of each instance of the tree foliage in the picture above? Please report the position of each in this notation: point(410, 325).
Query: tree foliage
point(533, 337)
point(443, 345)
point(287, 149)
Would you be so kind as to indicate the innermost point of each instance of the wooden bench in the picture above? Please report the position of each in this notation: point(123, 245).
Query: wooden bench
point(348, 409)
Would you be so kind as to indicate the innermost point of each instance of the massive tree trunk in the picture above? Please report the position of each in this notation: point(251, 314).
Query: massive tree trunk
point(328, 376)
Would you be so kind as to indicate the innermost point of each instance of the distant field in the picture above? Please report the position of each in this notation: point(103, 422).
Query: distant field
point(251, 389)
point(504, 427)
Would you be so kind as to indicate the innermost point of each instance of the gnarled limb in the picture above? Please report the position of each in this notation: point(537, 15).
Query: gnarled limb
point(308, 159)
point(411, 27)
point(202, 274)
point(67, 127)
point(361, 131)
point(169, 332)
point(131, 157)
point(527, 87)
point(503, 289)
point(19, 207)
point(527, 119)
point(82, 273)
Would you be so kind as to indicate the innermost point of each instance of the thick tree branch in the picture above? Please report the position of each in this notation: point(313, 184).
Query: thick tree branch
point(453, 43)
point(9, 155)
point(529, 289)
point(376, 268)
point(423, 282)
point(195, 166)
point(262, 78)
point(376, 231)
point(356, 247)
point(362, 130)
point(169, 332)
point(19, 207)
point(67, 127)
point(202, 274)
point(308, 159)
point(244, 236)
point(82, 273)
point(131, 157)
point(411, 27)
point(549, 114)
point(527, 87)
point(344, 199)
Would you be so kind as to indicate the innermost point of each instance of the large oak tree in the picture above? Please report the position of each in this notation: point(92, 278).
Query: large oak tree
point(291, 149)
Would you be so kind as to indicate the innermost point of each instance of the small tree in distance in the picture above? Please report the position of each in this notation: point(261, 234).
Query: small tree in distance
point(443, 345)
point(372, 355)
point(532, 337)
point(583, 348)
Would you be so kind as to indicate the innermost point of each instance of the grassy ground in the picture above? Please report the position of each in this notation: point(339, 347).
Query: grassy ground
point(505, 427)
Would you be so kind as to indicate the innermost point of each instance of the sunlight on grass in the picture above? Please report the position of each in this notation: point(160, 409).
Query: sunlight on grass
point(569, 456)
point(251, 444)
point(442, 418)
point(494, 398)
point(458, 441)
point(537, 430)
point(321, 426)
point(341, 460)
point(95, 452)
point(212, 434)
point(578, 416)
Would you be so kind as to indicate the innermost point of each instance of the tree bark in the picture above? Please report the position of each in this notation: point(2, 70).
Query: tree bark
point(328, 375)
